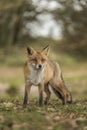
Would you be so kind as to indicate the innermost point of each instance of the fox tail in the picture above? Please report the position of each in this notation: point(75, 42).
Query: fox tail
point(59, 95)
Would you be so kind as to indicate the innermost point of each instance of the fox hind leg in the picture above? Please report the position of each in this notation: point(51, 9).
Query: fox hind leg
point(57, 93)
point(48, 93)
point(69, 96)
point(61, 92)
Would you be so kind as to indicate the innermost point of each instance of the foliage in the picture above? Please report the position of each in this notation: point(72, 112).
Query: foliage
point(12, 90)
point(13, 18)
point(16, 17)
point(71, 15)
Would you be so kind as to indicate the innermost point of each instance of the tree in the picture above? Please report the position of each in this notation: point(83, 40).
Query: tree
point(72, 17)
point(14, 14)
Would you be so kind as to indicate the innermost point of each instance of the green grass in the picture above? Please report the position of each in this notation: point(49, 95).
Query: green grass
point(14, 116)
point(12, 56)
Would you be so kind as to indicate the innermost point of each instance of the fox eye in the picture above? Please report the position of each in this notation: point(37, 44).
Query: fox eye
point(43, 59)
point(34, 59)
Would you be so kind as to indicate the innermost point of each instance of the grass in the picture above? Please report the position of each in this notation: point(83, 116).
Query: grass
point(54, 116)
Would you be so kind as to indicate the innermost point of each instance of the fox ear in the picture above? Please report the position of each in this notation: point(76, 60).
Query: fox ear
point(30, 51)
point(46, 50)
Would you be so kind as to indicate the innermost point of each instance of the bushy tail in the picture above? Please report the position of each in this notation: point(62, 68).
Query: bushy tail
point(59, 95)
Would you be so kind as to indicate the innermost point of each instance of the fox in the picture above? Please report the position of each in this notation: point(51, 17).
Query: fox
point(44, 73)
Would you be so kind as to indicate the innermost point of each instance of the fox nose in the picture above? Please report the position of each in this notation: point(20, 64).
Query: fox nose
point(40, 66)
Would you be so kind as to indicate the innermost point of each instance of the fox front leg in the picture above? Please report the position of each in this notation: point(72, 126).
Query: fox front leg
point(41, 88)
point(27, 91)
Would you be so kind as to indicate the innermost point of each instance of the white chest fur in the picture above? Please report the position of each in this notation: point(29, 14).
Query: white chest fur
point(35, 77)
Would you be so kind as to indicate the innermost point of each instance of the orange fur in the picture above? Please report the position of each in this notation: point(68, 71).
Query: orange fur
point(39, 70)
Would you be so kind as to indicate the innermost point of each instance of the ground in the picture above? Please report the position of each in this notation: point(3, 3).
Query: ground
point(55, 116)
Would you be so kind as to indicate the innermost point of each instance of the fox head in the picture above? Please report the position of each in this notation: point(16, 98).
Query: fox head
point(37, 59)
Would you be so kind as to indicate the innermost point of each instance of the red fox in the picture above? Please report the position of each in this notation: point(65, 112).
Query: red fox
point(40, 71)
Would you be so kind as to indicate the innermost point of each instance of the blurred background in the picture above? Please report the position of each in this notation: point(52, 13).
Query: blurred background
point(60, 23)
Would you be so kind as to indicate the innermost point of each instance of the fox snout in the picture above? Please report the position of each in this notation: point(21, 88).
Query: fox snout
point(40, 66)
point(37, 66)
